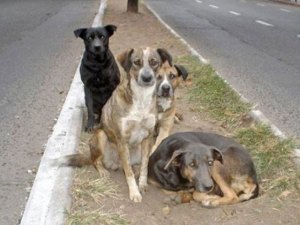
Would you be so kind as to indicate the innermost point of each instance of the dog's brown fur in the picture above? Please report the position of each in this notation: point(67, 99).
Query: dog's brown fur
point(128, 120)
point(166, 106)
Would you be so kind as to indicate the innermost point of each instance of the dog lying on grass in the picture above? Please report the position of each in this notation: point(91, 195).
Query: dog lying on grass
point(99, 71)
point(218, 169)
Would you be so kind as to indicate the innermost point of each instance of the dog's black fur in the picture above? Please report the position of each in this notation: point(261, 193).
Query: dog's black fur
point(99, 70)
point(232, 157)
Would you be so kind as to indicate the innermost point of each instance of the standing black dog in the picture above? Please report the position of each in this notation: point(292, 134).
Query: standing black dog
point(99, 71)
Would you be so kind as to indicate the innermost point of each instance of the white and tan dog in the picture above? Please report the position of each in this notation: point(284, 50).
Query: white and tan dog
point(128, 120)
point(168, 80)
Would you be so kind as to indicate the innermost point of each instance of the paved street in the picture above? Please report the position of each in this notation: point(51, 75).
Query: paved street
point(38, 58)
point(255, 45)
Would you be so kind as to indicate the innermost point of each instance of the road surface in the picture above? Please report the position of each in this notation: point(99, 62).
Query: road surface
point(254, 45)
point(38, 58)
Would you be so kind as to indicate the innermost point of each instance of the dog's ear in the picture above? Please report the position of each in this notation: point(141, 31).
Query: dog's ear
point(125, 59)
point(217, 155)
point(110, 29)
point(181, 71)
point(174, 157)
point(164, 55)
point(80, 33)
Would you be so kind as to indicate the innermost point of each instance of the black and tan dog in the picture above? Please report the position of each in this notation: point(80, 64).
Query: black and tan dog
point(168, 80)
point(216, 167)
point(128, 120)
point(99, 71)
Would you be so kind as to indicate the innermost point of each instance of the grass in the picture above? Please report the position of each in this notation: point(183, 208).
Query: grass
point(212, 94)
point(94, 189)
point(87, 189)
point(95, 218)
point(272, 156)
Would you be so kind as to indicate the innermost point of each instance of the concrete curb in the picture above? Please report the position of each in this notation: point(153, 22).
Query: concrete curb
point(255, 114)
point(49, 198)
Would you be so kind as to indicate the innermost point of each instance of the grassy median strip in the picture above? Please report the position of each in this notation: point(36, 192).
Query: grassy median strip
point(86, 189)
point(272, 156)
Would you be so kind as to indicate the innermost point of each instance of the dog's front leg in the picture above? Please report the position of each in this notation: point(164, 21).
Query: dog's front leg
point(144, 165)
point(90, 109)
point(134, 193)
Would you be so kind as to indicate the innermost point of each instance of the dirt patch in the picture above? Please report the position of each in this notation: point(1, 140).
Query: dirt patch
point(144, 30)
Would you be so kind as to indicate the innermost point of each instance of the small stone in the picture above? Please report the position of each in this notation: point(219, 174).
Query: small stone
point(166, 211)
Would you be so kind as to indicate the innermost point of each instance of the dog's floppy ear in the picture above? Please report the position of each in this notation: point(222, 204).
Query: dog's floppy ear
point(217, 154)
point(125, 59)
point(181, 71)
point(110, 29)
point(80, 32)
point(165, 55)
point(173, 157)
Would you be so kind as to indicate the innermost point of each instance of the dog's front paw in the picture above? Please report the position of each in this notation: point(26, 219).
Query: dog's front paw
point(143, 185)
point(143, 188)
point(210, 203)
point(135, 196)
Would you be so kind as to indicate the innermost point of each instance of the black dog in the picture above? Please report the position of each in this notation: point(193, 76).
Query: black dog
point(219, 169)
point(99, 71)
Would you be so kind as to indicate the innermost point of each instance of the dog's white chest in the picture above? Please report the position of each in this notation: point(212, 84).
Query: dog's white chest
point(140, 121)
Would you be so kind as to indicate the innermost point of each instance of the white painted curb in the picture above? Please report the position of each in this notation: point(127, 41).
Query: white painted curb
point(49, 198)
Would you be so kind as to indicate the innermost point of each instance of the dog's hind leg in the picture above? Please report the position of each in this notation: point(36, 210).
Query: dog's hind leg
point(144, 165)
point(97, 146)
point(134, 192)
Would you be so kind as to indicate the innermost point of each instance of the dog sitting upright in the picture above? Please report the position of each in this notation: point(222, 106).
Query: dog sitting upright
point(168, 80)
point(128, 121)
point(219, 169)
point(99, 71)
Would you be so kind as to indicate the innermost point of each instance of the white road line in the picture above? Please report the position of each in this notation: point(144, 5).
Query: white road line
point(214, 6)
point(235, 13)
point(198, 1)
point(285, 10)
point(259, 4)
point(298, 35)
point(264, 23)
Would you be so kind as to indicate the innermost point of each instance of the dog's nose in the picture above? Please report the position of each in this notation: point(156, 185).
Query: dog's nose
point(147, 78)
point(208, 188)
point(97, 48)
point(166, 88)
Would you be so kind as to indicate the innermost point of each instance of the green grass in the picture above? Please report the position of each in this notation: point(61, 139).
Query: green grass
point(212, 96)
point(272, 157)
point(88, 199)
point(95, 218)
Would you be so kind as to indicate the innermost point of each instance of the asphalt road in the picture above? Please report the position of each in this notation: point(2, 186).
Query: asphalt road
point(38, 58)
point(254, 45)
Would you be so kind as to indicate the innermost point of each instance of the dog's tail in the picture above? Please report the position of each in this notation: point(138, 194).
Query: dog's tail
point(77, 160)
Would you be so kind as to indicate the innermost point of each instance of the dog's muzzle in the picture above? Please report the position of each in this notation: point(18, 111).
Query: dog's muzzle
point(147, 78)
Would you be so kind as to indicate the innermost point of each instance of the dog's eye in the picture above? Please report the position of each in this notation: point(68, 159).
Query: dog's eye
point(210, 162)
point(102, 37)
point(192, 164)
point(137, 62)
point(159, 77)
point(153, 62)
point(172, 76)
point(90, 38)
